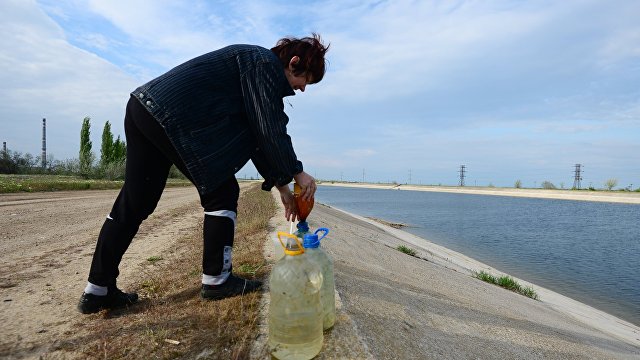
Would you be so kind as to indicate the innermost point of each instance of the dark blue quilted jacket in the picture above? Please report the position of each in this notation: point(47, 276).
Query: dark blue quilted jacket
point(223, 108)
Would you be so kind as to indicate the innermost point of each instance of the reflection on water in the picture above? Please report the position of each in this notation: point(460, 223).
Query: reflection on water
point(589, 251)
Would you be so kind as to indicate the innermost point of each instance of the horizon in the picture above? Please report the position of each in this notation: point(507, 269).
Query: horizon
point(512, 90)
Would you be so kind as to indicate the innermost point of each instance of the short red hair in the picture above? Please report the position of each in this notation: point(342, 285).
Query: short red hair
point(311, 52)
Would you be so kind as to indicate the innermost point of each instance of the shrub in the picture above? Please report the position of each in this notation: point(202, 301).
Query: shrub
point(508, 283)
point(547, 185)
point(406, 250)
point(610, 184)
point(175, 173)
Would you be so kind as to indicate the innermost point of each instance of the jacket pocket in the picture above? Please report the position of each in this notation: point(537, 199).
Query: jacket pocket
point(228, 149)
point(211, 130)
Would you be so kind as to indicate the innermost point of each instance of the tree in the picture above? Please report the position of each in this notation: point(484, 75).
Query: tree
point(611, 183)
point(518, 184)
point(107, 148)
point(547, 185)
point(14, 162)
point(119, 150)
point(86, 156)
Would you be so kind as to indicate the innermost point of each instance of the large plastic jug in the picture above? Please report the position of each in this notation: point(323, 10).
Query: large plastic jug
point(295, 308)
point(327, 292)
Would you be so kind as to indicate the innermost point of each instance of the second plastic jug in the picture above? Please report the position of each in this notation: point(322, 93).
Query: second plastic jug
point(327, 293)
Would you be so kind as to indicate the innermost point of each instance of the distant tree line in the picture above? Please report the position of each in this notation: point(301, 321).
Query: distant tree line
point(110, 165)
point(113, 154)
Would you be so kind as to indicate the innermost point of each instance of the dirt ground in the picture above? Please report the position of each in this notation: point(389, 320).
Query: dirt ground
point(47, 240)
point(46, 244)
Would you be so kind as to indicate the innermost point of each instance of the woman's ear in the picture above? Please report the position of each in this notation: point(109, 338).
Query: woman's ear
point(294, 61)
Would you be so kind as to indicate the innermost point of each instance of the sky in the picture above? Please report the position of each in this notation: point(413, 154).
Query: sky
point(512, 90)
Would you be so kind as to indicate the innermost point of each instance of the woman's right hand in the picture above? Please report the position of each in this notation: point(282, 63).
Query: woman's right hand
point(307, 185)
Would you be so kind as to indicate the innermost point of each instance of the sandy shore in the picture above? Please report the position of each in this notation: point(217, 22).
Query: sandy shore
point(626, 197)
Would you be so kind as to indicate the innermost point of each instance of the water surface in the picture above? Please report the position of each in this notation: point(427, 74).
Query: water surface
point(589, 251)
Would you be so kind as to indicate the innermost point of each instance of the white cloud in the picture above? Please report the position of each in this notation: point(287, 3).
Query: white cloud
point(398, 48)
point(96, 41)
point(359, 153)
point(421, 85)
point(45, 77)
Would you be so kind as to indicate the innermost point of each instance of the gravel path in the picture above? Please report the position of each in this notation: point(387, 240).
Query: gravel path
point(46, 244)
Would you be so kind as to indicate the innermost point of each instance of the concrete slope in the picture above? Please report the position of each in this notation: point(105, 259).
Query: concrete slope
point(396, 306)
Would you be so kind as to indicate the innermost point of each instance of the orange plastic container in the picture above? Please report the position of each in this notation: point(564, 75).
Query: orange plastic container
point(304, 207)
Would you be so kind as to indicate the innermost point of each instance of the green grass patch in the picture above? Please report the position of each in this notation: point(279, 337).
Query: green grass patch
point(35, 183)
point(150, 287)
point(248, 269)
point(154, 259)
point(406, 250)
point(508, 283)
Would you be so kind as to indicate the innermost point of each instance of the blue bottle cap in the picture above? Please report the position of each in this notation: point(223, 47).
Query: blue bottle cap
point(311, 241)
point(303, 226)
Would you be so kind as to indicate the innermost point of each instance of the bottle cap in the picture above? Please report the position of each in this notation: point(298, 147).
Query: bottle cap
point(303, 226)
point(311, 241)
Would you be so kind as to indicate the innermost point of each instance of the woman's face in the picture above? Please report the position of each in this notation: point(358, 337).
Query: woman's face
point(297, 82)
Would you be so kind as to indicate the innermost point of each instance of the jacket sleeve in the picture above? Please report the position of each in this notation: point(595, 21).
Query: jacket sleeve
point(262, 92)
point(261, 164)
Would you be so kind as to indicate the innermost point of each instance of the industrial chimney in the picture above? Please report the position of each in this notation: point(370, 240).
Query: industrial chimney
point(44, 143)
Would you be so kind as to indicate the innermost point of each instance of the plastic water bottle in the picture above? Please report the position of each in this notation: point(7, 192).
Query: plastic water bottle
point(295, 309)
point(327, 292)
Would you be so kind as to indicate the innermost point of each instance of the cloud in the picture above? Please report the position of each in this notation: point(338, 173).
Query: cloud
point(397, 48)
point(424, 85)
point(45, 77)
point(360, 153)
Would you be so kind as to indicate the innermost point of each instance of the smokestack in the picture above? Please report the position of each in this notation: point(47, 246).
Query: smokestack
point(44, 143)
point(4, 148)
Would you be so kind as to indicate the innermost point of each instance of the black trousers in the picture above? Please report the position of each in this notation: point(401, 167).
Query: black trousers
point(149, 158)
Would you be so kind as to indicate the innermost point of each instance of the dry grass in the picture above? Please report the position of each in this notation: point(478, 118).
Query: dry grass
point(171, 307)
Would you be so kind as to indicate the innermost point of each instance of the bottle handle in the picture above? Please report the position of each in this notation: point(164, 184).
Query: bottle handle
point(325, 230)
point(291, 236)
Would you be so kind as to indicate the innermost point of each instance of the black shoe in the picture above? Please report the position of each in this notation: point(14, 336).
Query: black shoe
point(232, 287)
point(114, 299)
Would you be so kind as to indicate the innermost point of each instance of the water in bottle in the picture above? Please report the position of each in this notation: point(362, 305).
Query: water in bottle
point(295, 308)
point(327, 297)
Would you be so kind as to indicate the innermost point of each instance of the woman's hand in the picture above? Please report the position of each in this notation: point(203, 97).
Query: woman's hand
point(290, 209)
point(307, 184)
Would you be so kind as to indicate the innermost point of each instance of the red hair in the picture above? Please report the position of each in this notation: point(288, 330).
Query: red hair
point(311, 52)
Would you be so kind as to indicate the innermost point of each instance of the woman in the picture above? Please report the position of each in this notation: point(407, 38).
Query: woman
point(209, 117)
